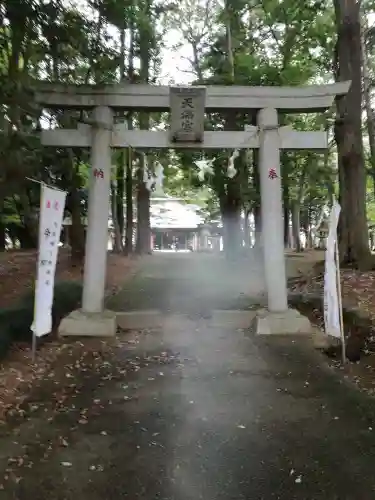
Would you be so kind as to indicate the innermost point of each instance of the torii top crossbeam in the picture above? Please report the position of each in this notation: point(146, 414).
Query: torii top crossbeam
point(156, 98)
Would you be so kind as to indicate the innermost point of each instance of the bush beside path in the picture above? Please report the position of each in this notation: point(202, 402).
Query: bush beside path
point(358, 298)
point(17, 278)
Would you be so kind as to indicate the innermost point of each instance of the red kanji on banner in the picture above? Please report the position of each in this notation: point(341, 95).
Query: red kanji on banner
point(55, 205)
point(272, 174)
point(98, 173)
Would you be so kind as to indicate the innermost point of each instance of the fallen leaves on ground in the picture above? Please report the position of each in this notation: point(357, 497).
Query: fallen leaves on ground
point(18, 270)
point(358, 291)
point(93, 365)
point(358, 288)
point(17, 274)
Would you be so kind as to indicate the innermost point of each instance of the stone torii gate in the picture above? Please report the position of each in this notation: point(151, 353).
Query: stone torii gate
point(102, 135)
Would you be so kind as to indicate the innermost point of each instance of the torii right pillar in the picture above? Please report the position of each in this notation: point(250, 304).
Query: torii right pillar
point(278, 319)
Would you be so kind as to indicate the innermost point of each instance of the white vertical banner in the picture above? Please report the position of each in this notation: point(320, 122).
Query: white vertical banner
point(52, 206)
point(332, 289)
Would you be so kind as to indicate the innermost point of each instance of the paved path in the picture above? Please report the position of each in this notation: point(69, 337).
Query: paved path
point(191, 412)
point(185, 282)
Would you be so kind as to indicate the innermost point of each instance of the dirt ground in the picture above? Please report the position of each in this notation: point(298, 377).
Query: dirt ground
point(358, 292)
point(17, 274)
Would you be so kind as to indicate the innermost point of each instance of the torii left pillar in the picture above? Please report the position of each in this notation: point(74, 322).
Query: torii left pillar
point(97, 228)
point(92, 319)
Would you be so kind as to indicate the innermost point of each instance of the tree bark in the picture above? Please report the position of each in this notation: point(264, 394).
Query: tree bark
point(370, 117)
point(286, 209)
point(117, 239)
point(2, 234)
point(231, 216)
point(143, 245)
point(246, 229)
point(353, 237)
point(256, 202)
point(258, 226)
point(118, 194)
point(129, 229)
point(296, 227)
point(129, 202)
point(231, 202)
point(77, 229)
point(231, 205)
point(296, 207)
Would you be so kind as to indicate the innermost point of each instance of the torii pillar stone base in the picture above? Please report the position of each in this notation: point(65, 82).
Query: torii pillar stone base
point(83, 324)
point(289, 322)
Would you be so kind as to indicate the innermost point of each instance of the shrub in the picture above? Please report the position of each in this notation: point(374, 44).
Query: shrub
point(68, 295)
point(15, 322)
point(5, 341)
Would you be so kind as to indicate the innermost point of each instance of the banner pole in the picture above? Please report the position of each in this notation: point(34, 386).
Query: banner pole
point(33, 348)
point(338, 280)
point(34, 339)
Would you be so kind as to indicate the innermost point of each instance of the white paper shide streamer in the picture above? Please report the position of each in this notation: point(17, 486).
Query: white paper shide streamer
point(159, 177)
point(231, 171)
point(153, 181)
point(205, 167)
point(332, 299)
point(52, 207)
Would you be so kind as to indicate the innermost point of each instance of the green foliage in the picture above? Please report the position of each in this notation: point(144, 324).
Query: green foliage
point(58, 41)
point(370, 200)
point(273, 42)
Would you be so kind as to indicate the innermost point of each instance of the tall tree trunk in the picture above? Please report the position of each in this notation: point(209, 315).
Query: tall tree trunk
point(296, 227)
point(26, 239)
point(296, 207)
point(143, 244)
point(129, 157)
point(29, 221)
point(246, 229)
point(287, 202)
point(229, 18)
point(258, 226)
point(117, 239)
point(119, 198)
point(256, 202)
point(232, 204)
point(118, 208)
point(286, 209)
point(2, 229)
point(77, 229)
point(231, 214)
point(370, 117)
point(129, 204)
point(354, 248)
